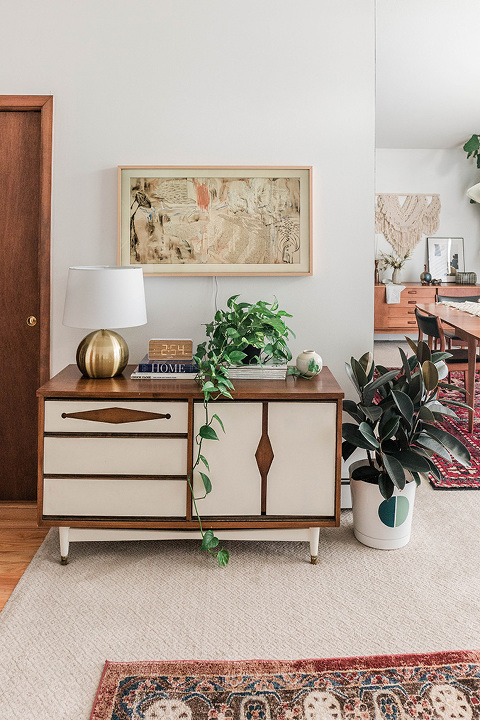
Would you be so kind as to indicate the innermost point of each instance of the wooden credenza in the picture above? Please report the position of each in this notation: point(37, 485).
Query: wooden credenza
point(114, 456)
point(400, 317)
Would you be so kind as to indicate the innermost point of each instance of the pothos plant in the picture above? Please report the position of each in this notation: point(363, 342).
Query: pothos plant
point(241, 326)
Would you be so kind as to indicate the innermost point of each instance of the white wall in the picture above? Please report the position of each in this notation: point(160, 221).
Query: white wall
point(446, 172)
point(214, 82)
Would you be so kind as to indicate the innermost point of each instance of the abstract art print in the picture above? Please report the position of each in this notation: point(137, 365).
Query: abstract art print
point(216, 220)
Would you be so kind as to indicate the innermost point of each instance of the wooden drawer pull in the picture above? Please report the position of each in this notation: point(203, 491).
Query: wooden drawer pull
point(412, 302)
point(116, 415)
point(411, 322)
point(411, 292)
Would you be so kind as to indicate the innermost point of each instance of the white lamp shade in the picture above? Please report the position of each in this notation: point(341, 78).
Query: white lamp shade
point(474, 193)
point(104, 297)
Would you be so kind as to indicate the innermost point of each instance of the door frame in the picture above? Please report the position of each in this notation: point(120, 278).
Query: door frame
point(44, 105)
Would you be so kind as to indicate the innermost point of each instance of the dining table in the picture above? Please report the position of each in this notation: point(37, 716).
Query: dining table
point(467, 328)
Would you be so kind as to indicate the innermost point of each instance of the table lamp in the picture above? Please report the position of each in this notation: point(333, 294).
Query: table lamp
point(474, 193)
point(104, 297)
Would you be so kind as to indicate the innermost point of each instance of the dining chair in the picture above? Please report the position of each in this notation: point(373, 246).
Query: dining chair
point(431, 326)
point(450, 336)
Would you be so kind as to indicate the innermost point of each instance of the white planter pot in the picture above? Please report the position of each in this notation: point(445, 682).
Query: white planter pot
point(397, 276)
point(303, 360)
point(379, 523)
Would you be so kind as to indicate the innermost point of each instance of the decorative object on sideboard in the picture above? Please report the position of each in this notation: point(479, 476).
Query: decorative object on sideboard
point(308, 363)
point(466, 278)
point(377, 274)
point(445, 256)
point(104, 297)
point(425, 277)
point(396, 423)
point(262, 325)
point(404, 224)
point(391, 260)
point(216, 220)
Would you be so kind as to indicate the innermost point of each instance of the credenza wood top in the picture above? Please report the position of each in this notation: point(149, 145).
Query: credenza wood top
point(70, 383)
point(444, 286)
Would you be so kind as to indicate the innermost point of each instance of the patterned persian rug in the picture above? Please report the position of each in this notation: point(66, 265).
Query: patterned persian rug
point(456, 477)
point(437, 686)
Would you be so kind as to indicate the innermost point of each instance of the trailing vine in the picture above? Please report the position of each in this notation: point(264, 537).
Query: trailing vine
point(261, 326)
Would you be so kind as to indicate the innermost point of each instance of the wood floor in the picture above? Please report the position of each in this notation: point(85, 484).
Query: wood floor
point(20, 539)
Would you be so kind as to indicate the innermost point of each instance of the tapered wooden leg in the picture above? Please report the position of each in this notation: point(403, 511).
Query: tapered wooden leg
point(470, 384)
point(63, 532)
point(314, 533)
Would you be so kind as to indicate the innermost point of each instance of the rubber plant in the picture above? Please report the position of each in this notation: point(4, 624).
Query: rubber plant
point(397, 419)
point(240, 327)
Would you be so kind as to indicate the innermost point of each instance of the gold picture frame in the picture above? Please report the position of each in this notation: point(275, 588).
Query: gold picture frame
point(216, 220)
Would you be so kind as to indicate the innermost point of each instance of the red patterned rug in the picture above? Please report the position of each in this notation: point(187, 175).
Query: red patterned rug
point(456, 477)
point(436, 686)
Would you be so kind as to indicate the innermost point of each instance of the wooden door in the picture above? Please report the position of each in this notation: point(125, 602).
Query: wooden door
point(25, 200)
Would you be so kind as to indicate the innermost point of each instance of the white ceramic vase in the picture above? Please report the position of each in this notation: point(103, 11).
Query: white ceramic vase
point(379, 523)
point(303, 361)
point(397, 276)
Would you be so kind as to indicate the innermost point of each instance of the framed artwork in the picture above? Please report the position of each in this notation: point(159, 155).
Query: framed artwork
point(215, 220)
point(445, 256)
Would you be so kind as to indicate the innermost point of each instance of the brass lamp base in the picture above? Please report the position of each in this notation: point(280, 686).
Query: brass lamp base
point(102, 354)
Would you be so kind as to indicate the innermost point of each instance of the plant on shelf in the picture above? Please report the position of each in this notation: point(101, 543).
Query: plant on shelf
point(232, 336)
point(396, 422)
point(396, 262)
point(472, 148)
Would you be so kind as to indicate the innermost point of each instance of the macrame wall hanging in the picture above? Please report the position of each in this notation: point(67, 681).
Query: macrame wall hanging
point(404, 223)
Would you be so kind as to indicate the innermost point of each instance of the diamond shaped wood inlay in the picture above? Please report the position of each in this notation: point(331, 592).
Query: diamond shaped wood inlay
point(116, 415)
point(264, 455)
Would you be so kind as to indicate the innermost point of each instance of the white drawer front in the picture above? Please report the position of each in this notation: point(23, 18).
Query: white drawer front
point(301, 480)
point(114, 497)
point(115, 456)
point(112, 413)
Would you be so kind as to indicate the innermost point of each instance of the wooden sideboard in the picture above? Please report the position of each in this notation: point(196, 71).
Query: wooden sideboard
point(114, 456)
point(400, 317)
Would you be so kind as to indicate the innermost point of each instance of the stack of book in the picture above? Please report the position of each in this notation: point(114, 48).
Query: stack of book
point(171, 359)
point(267, 371)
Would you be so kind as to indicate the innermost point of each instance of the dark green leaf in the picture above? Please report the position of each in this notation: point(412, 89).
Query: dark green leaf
point(434, 445)
point(417, 478)
point(451, 443)
point(406, 366)
point(472, 146)
point(412, 345)
point(366, 361)
point(215, 417)
point(351, 433)
point(404, 404)
point(206, 483)
point(413, 461)
point(439, 408)
point(370, 389)
point(351, 375)
point(347, 449)
point(385, 486)
point(209, 540)
point(236, 356)
point(426, 414)
point(395, 471)
point(423, 352)
point(208, 433)
point(373, 412)
point(437, 356)
point(367, 433)
point(449, 386)
point(360, 374)
point(390, 428)
point(223, 557)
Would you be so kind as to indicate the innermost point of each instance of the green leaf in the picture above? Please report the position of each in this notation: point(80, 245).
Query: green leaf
point(395, 471)
point(366, 361)
point(351, 375)
point(206, 483)
point(371, 388)
point(426, 414)
point(209, 540)
point(423, 352)
point(412, 345)
point(360, 374)
point(472, 146)
point(434, 445)
point(440, 409)
point(438, 356)
point(373, 412)
point(430, 375)
point(367, 433)
point(208, 387)
point(204, 461)
point(449, 386)
point(412, 461)
point(385, 486)
point(390, 428)
point(351, 433)
point(451, 443)
point(223, 557)
point(207, 433)
point(347, 449)
point(236, 356)
point(231, 301)
point(404, 404)
point(417, 478)
point(405, 363)
point(215, 417)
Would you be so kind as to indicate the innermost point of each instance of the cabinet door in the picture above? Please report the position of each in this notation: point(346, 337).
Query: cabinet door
point(301, 480)
point(236, 481)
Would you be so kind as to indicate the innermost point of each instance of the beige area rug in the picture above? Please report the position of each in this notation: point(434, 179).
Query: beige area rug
point(167, 601)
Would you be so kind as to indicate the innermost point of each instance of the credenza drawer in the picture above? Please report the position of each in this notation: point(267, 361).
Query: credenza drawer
point(116, 417)
point(114, 497)
point(115, 456)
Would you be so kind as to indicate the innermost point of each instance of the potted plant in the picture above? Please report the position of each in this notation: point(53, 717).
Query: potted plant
point(396, 262)
point(396, 422)
point(233, 334)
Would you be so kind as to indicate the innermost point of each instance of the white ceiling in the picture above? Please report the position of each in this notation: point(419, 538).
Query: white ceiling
point(428, 73)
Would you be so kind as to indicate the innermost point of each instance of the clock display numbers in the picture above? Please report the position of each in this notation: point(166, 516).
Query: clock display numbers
point(170, 349)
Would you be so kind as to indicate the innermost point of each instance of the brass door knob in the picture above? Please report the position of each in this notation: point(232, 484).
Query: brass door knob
point(31, 320)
